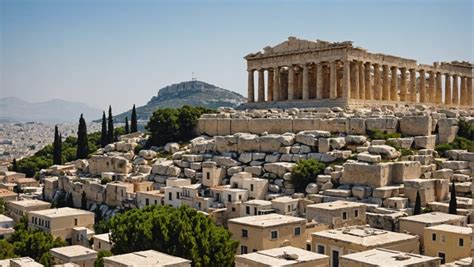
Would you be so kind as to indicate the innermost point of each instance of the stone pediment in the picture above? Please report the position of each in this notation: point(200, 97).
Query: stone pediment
point(294, 44)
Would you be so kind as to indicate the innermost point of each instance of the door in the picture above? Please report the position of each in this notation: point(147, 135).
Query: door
point(335, 258)
point(442, 255)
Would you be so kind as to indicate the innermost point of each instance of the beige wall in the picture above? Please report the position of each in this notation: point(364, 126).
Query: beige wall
point(61, 226)
point(448, 243)
point(242, 262)
point(260, 238)
point(17, 211)
point(100, 245)
point(352, 263)
point(334, 217)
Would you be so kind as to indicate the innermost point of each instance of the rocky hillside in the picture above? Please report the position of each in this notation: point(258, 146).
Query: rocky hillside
point(193, 93)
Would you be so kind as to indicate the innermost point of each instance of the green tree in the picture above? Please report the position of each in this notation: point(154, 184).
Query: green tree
point(417, 209)
point(99, 262)
point(14, 165)
point(82, 143)
point(103, 133)
point(7, 250)
point(127, 128)
point(453, 205)
point(110, 127)
point(2, 206)
point(305, 172)
point(134, 125)
point(181, 232)
point(83, 200)
point(57, 147)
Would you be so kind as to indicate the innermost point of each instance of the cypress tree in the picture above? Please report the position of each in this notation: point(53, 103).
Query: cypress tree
point(82, 143)
point(133, 126)
point(84, 200)
point(60, 148)
point(56, 147)
point(127, 128)
point(453, 205)
point(110, 128)
point(417, 209)
point(103, 134)
point(14, 165)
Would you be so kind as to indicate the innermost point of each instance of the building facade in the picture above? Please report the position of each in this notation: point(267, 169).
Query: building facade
point(324, 72)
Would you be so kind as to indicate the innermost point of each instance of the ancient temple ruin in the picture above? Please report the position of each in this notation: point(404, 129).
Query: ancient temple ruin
point(320, 73)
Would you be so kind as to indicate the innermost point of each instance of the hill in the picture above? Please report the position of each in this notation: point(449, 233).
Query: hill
point(13, 109)
point(193, 93)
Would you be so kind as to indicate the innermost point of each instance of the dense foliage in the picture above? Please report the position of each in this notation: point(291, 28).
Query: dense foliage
point(458, 143)
point(99, 262)
point(2, 206)
point(381, 135)
point(305, 172)
point(181, 232)
point(25, 242)
point(466, 129)
point(174, 125)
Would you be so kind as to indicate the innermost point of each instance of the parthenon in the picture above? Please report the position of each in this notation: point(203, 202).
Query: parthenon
point(338, 73)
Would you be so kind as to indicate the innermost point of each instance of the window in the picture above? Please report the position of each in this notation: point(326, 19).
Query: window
point(433, 237)
point(156, 201)
point(321, 249)
point(147, 202)
point(233, 208)
point(251, 187)
point(289, 208)
point(229, 198)
point(297, 231)
point(274, 235)
point(75, 221)
point(254, 211)
point(247, 210)
point(356, 213)
point(344, 215)
point(240, 197)
point(99, 245)
point(308, 247)
point(461, 242)
point(177, 195)
point(170, 196)
point(208, 176)
point(245, 233)
point(243, 249)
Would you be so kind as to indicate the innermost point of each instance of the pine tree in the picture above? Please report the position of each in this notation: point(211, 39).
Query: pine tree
point(82, 143)
point(133, 126)
point(14, 165)
point(127, 128)
point(103, 134)
point(110, 128)
point(453, 205)
point(417, 209)
point(57, 147)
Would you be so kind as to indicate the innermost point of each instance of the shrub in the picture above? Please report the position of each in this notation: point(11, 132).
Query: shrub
point(382, 135)
point(466, 130)
point(458, 143)
point(305, 172)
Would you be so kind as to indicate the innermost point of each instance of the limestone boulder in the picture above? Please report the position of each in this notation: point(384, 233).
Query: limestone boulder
point(366, 157)
point(425, 142)
point(279, 168)
point(387, 152)
point(248, 143)
point(405, 170)
point(270, 143)
point(312, 188)
point(171, 147)
point(359, 173)
point(361, 192)
point(147, 154)
point(415, 125)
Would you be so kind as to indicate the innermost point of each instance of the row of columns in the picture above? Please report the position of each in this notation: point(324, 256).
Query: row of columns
point(360, 80)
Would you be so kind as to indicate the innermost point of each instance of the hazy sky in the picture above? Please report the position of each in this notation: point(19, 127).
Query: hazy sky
point(121, 52)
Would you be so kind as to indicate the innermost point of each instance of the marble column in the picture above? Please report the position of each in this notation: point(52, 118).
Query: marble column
point(319, 81)
point(361, 80)
point(291, 82)
point(394, 85)
point(439, 90)
point(250, 87)
point(276, 84)
point(269, 85)
point(261, 85)
point(355, 92)
point(448, 98)
point(470, 93)
point(346, 80)
point(413, 85)
point(385, 83)
point(423, 97)
point(403, 84)
point(377, 83)
point(455, 90)
point(369, 92)
point(333, 81)
point(305, 82)
point(463, 91)
point(431, 87)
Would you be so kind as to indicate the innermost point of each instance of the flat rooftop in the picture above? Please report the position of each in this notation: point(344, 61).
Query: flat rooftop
point(339, 204)
point(30, 203)
point(151, 193)
point(258, 202)
point(103, 237)
point(433, 217)
point(25, 262)
point(73, 251)
point(267, 220)
point(452, 229)
point(284, 200)
point(61, 212)
point(147, 258)
point(4, 218)
point(364, 236)
point(275, 256)
point(390, 258)
point(6, 193)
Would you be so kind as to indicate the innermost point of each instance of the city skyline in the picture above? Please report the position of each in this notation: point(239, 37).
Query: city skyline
point(121, 53)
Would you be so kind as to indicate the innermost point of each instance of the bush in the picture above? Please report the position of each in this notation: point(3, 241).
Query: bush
point(99, 262)
point(305, 172)
point(458, 143)
point(466, 130)
point(174, 125)
point(379, 135)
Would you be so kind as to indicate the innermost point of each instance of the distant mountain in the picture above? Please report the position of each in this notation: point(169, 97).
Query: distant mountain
point(13, 109)
point(193, 93)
